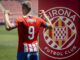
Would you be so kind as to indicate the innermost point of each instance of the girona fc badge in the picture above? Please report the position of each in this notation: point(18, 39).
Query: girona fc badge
point(62, 41)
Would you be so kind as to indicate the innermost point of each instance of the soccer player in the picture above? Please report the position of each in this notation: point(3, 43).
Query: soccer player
point(28, 29)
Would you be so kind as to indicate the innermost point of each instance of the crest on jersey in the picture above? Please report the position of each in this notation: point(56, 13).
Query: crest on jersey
point(61, 41)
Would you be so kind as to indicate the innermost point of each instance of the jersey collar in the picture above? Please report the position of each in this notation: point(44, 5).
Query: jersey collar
point(28, 16)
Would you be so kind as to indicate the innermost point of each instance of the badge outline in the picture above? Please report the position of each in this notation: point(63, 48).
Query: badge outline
point(76, 50)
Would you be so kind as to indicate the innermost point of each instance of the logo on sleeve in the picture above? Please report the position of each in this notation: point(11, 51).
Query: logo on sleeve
point(62, 41)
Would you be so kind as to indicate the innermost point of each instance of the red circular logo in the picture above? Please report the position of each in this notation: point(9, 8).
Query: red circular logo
point(61, 41)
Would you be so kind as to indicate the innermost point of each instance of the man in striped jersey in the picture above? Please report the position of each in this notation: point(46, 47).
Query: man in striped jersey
point(28, 29)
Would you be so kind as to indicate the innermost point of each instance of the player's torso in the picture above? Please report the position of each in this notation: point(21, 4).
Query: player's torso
point(28, 31)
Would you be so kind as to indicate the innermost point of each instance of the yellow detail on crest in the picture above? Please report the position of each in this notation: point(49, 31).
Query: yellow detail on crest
point(53, 32)
point(72, 32)
point(60, 43)
point(47, 32)
point(60, 25)
point(67, 32)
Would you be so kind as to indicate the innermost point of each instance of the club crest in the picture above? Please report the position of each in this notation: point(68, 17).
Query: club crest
point(61, 41)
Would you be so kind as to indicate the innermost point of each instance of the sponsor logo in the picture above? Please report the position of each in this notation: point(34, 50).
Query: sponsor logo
point(31, 20)
point(62, 41)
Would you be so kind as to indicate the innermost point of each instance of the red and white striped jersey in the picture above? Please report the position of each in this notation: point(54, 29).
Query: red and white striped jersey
point(30, 47)
point(28, 28)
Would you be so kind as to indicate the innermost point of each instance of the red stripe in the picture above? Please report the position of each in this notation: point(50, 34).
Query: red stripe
point(50, 33)
point(55, 46)
point(28, 48)
point(63, 23)
point(69, 41)
point(50, 42)
point(63, 42)
point(57, 42)
point(69, 32)
point(32, 47)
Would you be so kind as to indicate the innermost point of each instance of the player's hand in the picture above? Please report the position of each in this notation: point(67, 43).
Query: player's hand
point(7, 12)
point(41, 12)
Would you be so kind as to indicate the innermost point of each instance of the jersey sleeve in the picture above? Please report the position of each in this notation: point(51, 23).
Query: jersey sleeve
point(43, 23)
point(17, 22)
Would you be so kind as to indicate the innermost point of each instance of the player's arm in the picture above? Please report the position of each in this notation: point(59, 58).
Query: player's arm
point(8, 24)
point(49, 24)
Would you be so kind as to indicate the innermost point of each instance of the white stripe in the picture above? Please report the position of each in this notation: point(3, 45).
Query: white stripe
point(36, 43)
point(31, 48)
point(74, 30)
point(34, 46)
point(71, 25)
point(48, 40)
point(25, 48)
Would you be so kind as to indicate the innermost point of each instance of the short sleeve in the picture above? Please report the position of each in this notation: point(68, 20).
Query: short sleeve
point(17, 22)
point(43, 23)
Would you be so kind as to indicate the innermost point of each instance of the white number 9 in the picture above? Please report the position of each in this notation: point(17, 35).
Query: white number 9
point(31, 32)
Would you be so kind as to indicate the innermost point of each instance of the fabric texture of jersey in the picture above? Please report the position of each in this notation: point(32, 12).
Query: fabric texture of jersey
point(28, 28)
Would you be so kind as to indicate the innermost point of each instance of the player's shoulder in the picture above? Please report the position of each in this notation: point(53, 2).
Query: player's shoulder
point(37, 18)
point(20, 19)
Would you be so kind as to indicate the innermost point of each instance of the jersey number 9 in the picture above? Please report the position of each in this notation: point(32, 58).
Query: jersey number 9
point(31, 32)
